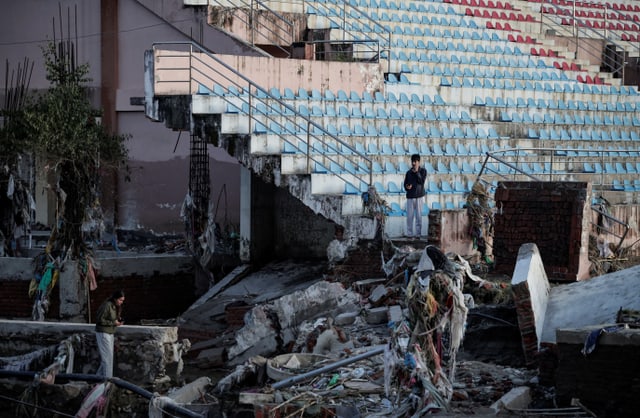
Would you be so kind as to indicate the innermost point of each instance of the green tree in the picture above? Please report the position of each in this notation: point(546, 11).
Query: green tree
point(72, 149)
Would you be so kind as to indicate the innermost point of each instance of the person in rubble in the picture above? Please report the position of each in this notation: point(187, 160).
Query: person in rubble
point(414, 186)
point(337, 249)
point(108, 317)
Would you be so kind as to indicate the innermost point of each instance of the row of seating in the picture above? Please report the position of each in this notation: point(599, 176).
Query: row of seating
point(436, 33)
point(422, 7)
point(524, 61)
point(396, 209)
point(553, 104)
point(582, 134)
point(527, 39)
point(341, 96)
point(478, 48)
point(402, 98)
point(464, 167)
point(486, 14)
point(620, 105)
point(432, 187)
point(541, 86)
point(441, 167)
point(569, 118)
point(500, 26)
point(610, 13)
point(601, 25)
point(439, 15)
point(611, 168)
point(382, 130)
point(369, 112)
point(481, 3)
point(591, 14)
point(488, 72)
point(380, 106)
point(593, 5)
point(433, 17)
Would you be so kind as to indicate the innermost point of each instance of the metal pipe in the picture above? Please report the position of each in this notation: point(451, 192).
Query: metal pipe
point(177, 409)
point(295, 379)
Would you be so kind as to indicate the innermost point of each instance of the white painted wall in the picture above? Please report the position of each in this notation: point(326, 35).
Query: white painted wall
point(529, 269)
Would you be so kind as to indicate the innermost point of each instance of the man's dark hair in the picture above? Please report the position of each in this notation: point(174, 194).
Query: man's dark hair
point(415, 157)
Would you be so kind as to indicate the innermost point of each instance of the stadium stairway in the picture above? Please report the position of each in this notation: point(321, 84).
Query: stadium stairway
point(478, 91)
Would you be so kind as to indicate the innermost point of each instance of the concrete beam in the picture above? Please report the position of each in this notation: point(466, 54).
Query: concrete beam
point(143, 355)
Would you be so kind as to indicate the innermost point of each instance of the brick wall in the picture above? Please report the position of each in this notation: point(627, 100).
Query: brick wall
point(549, 214)
point(607, 381)
point(526, 321)
point(155, 297)
point(16, 303)
point(365, 262)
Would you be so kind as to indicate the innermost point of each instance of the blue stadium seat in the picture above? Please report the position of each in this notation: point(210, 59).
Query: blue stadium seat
point(437, 149)
point(441, 167)
point(396, 210)
point(394, 188)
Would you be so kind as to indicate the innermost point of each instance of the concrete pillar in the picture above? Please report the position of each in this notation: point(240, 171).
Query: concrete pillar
point(245, 215)
point(73, 296)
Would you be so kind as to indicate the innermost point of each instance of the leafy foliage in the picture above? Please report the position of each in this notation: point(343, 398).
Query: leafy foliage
point(63, 132)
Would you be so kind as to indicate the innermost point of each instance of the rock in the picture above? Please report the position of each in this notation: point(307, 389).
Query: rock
point(347, 318)
point(376, 316)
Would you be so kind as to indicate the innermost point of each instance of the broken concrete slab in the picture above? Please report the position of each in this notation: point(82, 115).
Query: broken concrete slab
point(208, 319)
point(144, 355)
point(273, 325)
point(531, 289)
point(592, 302)
point(346, 318)
point(378, 315)
point(190, 392)
point(378, 295)
point(516, 398)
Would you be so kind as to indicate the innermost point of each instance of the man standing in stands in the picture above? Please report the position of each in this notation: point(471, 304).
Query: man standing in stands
point(414, 186)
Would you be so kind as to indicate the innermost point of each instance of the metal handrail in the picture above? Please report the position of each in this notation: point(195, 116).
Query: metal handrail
point(343, 26)
point(550, 156)
point(252, 22)
point(611, 231)
point(584, 29)
point(513, 161)
point(338, 152)
point(362, 41)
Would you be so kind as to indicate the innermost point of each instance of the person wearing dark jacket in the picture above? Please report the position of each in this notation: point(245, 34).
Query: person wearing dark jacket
point(108, 318)
point(414, 186)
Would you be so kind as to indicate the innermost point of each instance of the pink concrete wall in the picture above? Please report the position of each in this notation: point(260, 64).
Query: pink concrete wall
point(266, 72)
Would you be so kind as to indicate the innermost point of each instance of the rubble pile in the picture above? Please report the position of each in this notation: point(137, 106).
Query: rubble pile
point(391, 353)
